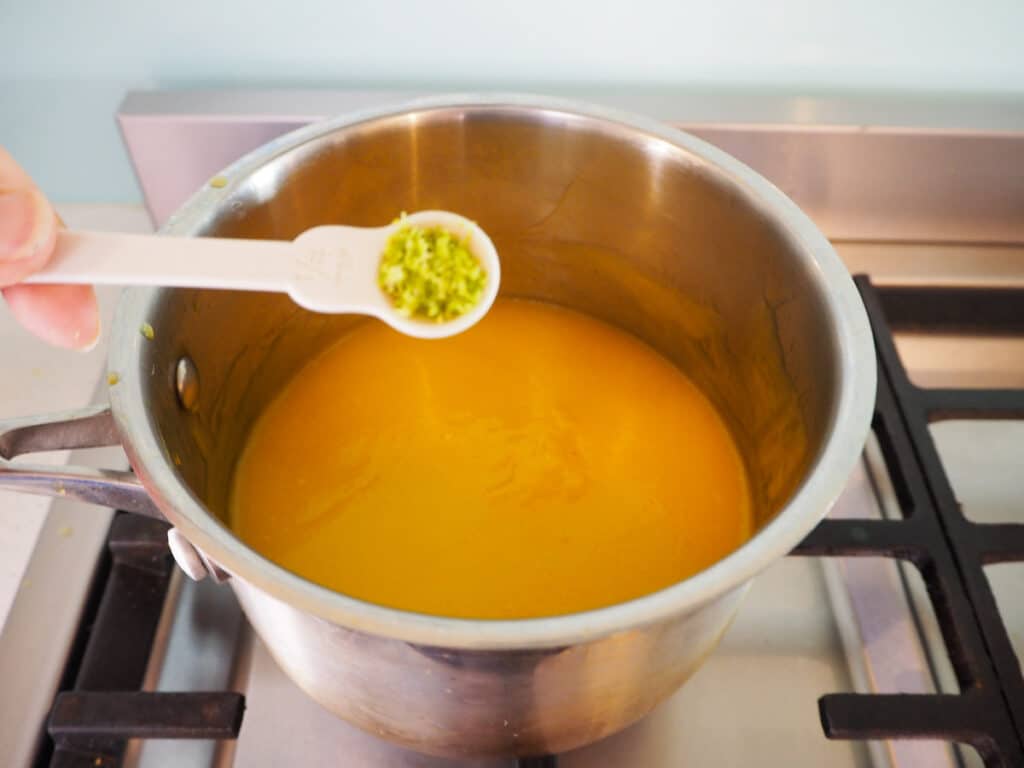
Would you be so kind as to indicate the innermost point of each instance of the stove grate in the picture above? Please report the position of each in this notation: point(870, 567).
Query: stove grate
point(99, 706)
point(948, 549)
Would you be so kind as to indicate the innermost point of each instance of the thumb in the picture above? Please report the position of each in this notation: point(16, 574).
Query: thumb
point(28, 225)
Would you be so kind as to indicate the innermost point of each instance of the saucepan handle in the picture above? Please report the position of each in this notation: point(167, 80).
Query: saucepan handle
point(91, 427)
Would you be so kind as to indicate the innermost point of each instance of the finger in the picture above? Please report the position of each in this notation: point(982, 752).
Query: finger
point(28, 232)
point(28, 224)
point(63, 315)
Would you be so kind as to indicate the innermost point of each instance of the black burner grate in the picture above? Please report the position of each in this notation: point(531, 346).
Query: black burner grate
point(948, 549)
point(100, 705)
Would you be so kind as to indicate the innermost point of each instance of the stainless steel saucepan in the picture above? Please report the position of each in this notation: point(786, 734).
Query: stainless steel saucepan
point(619, 217)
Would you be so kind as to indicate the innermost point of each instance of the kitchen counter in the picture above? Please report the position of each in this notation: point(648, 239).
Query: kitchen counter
point(38, 379)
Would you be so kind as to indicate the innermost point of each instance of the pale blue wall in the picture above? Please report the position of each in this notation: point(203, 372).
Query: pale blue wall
point(66, 64)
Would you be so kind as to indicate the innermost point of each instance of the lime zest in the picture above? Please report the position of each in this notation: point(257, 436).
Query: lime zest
point(430, 274)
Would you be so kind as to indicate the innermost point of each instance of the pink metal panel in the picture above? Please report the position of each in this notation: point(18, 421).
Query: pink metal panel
point(174, 155)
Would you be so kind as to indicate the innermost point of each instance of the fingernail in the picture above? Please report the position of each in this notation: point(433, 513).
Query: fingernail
point(18, 220)
point(96, 340)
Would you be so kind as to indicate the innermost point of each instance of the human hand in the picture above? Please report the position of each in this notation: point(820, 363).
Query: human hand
point(64, 315)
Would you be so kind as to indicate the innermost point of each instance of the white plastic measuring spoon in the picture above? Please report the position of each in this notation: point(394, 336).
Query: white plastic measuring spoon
point(325, 269)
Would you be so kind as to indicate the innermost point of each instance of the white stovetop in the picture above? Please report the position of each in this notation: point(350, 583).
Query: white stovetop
point(39, 379)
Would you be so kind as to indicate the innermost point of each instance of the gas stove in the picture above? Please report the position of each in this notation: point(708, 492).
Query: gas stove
point(890, 637)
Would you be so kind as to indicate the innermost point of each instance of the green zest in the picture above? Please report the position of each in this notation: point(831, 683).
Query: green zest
point(429, 274)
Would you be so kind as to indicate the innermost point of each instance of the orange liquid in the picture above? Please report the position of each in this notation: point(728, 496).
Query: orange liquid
point(541, 463)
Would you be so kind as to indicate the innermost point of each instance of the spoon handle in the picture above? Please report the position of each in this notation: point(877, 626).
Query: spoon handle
point(108, 258)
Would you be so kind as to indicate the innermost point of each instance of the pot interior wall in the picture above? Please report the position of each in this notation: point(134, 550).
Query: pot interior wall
point(596, 216)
